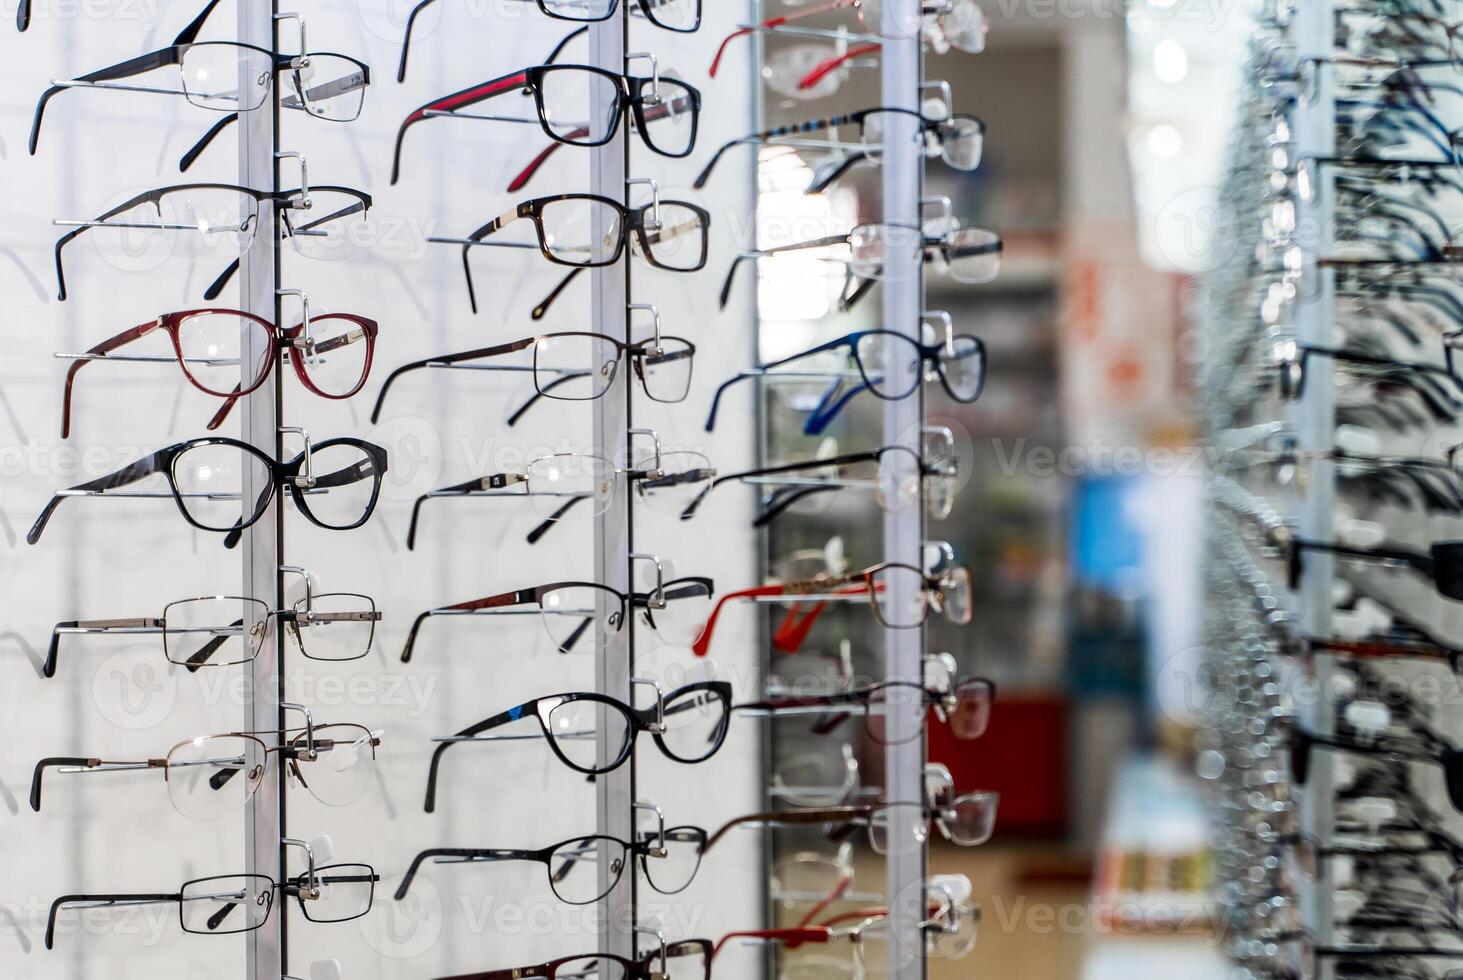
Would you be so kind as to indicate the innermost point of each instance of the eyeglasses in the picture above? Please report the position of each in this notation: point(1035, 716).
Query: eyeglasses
point(688, 725)
point(217, 631)
point(692, 961)
point(211, 479)
point(957, 23)
point(227, 216)
point(583, 870)
point(888, 364)
point(967, 820)
point(589, 231)
point(900, 595)
point(225, 904)
point(331, 354)
point(581, 106)
point(1300, 743)
point(575, 365)
point(898, 475)
point(230, 76)
point(1443, 562)
point(211, 776)
point(555, 484)
point(958, 139)
point(569, 610)
point(970, 255)
point(964, 707)
point(681, 16)
point(817, 779)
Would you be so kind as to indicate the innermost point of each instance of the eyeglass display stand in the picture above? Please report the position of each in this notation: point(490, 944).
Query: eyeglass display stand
point(613, 532)
point(261, 545)
point(903, 302)
point(1313, 421)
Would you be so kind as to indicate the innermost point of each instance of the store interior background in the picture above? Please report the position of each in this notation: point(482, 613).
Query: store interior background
point(1106, 130)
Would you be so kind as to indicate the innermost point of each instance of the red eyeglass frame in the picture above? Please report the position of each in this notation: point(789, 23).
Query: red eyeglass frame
point(280, 340)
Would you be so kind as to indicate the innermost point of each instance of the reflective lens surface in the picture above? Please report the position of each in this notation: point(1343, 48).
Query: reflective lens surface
point(214, 631)
point(338, 357)
point(554, 481)
point(335, 625)
point(214, 775)
point(227, 77)
point(569, 615)
point(345, 892)
point(345, 485)
point(581, 231)
point(574, 366)
point(573, 724)
point(222, 486)
point(578, 105)
point(223, 352)
point(574, 869)
point(327, 86)
point(695, 724)
point(226, 903)
point(666, 370)
point(343, 768)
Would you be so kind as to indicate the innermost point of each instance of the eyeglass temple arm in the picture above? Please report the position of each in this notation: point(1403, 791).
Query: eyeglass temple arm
point(106, 346)
point(702, 643)
point(51, 762)
point(477, 236)
point(490, 602)
point(831, 64)
point(543, 307)
point(554, 518)
point(469, 853)
point(126, 69)
point(543, 392)
point(789, 938)
point(745, 31)
point(131, 473)
point(824, 177)
point(411, 20)
point(461, 99)
point(779, 501)
point(457, 358)
point(100, 900)
point(525, 710)
point(831, 404)
point(466, 487)
point(194, 152)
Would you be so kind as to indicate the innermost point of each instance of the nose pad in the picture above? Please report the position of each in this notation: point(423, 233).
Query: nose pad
point(256, 773)
point(607, 370)
point(613, 620)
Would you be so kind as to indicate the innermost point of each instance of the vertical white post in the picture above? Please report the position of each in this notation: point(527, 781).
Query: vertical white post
point(615, 792)
point(1314, 419)
point(260, 547)
point(903, 292)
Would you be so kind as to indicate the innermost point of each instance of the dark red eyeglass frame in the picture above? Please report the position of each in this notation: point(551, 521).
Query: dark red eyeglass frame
point(290, 338)
point(630, 95)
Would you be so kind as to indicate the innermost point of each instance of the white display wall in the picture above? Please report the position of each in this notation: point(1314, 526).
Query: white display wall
point(118, 698)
